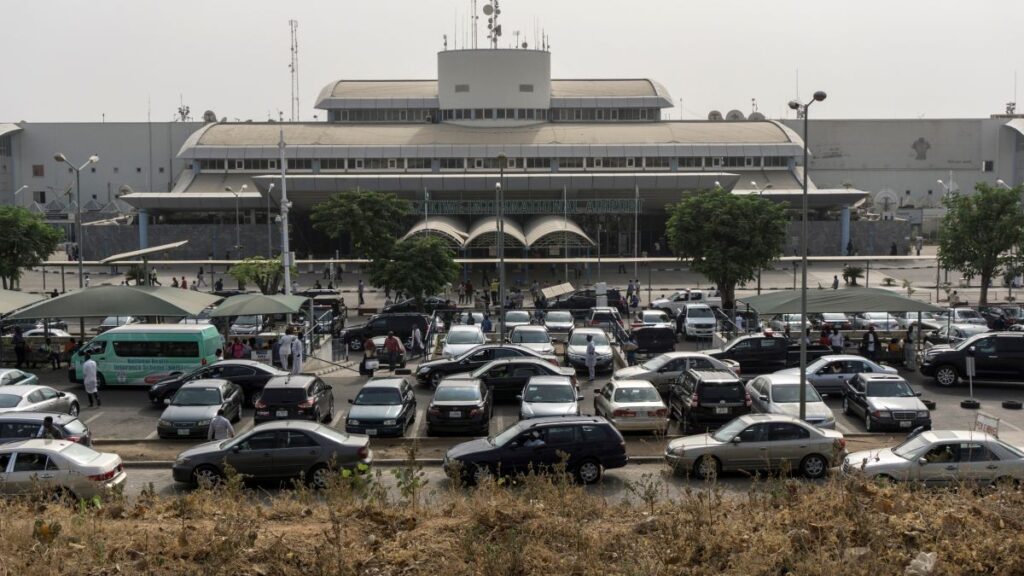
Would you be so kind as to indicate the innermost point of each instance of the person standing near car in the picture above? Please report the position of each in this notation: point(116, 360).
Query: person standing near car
point(836, 342)
point(48, 430)
point(19, 347)
point(359, 290)
point(285, 348)
point(417, 341)
point(296, 356)
point(91, 380)
point(591, 358)
point(870, 343)
point(220, 427)
point(392, 347)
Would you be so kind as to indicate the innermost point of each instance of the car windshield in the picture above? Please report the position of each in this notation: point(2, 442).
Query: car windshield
point(247, 320)
point(967, 314)
point(549, 393)
point(378, 397)
point(791, 393)
point(910, 448)
point(644, 394)
point(114, 320)
point(833, 317)
point(558, 317)
point(465, 337)
point(506, 436)
point(700, 313)
point(79, 454)
point(476, 316)
point(529, 337)
point(877, 316)
point(9, 400)
point(656, 363)
point(655, 317)
point(580, 339)
point(731, 429)
point(457, 394)
point(889, 389)
point(517, 316)
point(196, 397)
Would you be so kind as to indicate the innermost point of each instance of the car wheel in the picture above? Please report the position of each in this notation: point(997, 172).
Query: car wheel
point(588, 472)
point(946, 376)
point(884, 480)
point(430, 431)
point(330, 414)
point(101, 382)
point(846, 405)
point(207, 476)
point(255, 398)
point(435, 379)
point(74, 409)
point(707, 467)
point(480, 474)
point(814, 466)
point(867, 422)
point(355, 344)
point(319, 477)
point(1006, 482)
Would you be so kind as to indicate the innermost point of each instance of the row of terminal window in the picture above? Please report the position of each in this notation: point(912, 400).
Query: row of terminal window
point(543, 114)
point(567, 163)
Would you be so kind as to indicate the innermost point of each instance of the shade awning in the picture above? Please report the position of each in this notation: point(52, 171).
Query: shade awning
point(552, 292)
point(143, 252)
point(100, 301)
point(11, 300)
point(251, 304)
point(845, 300)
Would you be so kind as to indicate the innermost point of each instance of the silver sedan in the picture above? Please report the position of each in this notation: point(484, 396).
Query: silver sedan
point(780, 394)
point(828, 373)
point(12, 376)
point(58, 467)
point(631, 405)
point(37, 399)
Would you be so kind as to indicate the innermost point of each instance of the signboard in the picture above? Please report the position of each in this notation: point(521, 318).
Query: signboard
point(969, 366)
point(987, 424)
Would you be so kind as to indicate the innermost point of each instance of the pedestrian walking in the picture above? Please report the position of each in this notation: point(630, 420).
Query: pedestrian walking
point(469, 293)
point(869, 345)
point(20, 347)
point(629, 288)
point(836, 342)
point(87, 280)
point(392, 347)
point(486, 325)
point(69, 350)
point(591, 358)
point(285, 348)
point(200, 278)
point(220, 427)
point(237, 349)
point(90, 380)
point(462, 293)
point(359, 290)
point(369, 362)
point(835, 282)
point(183, 284)
point(51, 354)
point(417, 341)
point(494, 290)
point(296, 358)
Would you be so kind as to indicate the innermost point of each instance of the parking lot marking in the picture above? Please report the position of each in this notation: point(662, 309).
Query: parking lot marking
point(244, 426)
point(337, 418)
point(152, 436)
point(93, 417)
point(842, 427)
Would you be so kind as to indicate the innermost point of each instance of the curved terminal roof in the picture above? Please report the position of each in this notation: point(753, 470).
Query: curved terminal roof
point(484, 232)
point(551, 230)
point(451, 230)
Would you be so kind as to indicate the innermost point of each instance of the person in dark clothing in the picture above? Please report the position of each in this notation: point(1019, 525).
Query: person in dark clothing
point(48, 430)
point(20, 347)
point(870, 344)
point(893, 250)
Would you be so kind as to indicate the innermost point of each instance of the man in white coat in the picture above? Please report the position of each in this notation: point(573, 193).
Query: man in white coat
point(296, 355)
point(591, 357)
point(91, 380)
point(284, 348)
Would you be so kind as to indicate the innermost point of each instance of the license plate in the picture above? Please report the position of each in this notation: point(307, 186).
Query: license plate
point(183, 431)
point(905, 423)
point(721, 410)
point(282, 413)
point(455, 414)
point(371, 431)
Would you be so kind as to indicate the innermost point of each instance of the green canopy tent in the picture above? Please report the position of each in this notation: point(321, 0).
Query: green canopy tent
point(845, 300)
point(11, 300)
point(102, 301)
point(250, 304)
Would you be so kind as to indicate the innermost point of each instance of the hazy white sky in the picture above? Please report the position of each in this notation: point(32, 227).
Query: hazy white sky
point(74, 60)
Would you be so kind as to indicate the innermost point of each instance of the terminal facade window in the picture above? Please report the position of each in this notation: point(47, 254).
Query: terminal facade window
point(399, 115)
point(604, 114)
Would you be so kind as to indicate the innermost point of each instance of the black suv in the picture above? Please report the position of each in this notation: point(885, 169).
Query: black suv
point(295, 398)
point(581, 301)
point(16, 426)
point(430, 304)
point(587, 444)
point(380, 324)
point(998, 356)
point(250, 376)
point(707, 398)
point(434, 371)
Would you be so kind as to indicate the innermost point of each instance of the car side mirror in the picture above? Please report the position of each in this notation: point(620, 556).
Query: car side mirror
point(922, 460)
point(735, 439)
point(597, 392)
point(764, 397)
point(918, 394)
point(61, 394)
point(578, 398)
point(167, 401)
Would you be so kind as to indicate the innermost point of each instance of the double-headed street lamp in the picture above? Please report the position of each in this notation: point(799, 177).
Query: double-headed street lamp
point(804, 108)
point(238, 234)
point(78, 218)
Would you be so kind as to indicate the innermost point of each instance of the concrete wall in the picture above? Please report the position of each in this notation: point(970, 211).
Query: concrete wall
point(870, 238)
point(493, 77)
point(204, 239)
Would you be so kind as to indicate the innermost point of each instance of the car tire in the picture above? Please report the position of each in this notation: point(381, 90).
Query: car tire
point(207, 475)
point(318, 477)
point(74, 409)
point(1012, 404)
point(588, 472)
point(355, 344)
point(946, 376)
point(970, 404)
point(707, 467)
point(431, 431)
point(814, 466)
point(101, 382)
point(846, 405)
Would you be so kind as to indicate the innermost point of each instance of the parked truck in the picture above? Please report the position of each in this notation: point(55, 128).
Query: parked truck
point(680, 299)
point(761, 354)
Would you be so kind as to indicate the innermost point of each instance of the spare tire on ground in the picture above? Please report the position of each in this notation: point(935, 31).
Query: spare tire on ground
point(970, 404)
point(1012, 404)
point(929, 404)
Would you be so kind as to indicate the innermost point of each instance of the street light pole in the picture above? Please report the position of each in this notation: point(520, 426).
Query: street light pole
point(270, 240)
point(59, 157)
point(818, 97)
point(500, 197)
point(285, 205)
point(238, 233)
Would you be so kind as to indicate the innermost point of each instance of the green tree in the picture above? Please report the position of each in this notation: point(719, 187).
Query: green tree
point(419, 266)
point(979, 230)
point(727, 237)
point(373, 220)
point(25, 241)
point(265, 273)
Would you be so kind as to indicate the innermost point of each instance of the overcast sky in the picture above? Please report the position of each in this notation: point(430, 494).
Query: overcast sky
point(72, 60)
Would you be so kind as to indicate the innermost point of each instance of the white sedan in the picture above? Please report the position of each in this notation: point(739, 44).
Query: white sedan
point(13, 376)
point(461, 339)
point(47, 333)
point(632, 405)
point(534, 337)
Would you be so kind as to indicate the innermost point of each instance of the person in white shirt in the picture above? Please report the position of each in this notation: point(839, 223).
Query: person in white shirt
point(836, 342)
point(90, 380)
point(591, 357)
point(284, 350)
point(220, 427)
point(296, 356)
point(417, 340)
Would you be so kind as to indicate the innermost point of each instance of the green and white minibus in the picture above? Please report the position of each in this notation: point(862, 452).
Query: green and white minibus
point(144, 353)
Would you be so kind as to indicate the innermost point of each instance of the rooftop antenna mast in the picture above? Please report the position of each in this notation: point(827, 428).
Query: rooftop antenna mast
point(492, 11)
point(294, 66)
point(476, 17)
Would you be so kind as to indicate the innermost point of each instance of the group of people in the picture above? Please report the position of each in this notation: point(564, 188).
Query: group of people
point(870, 344)
point(48, 351)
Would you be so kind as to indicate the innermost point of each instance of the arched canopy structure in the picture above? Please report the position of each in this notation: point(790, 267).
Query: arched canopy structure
point(451, 231)
point(484, 233)
point(551, 230)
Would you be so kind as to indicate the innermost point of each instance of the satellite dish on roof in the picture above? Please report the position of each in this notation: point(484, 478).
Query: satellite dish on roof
point(756, 117)
point(715, 116)
point(735, 116)
point(488, 9)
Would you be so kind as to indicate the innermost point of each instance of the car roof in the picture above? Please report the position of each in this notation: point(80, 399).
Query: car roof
point(589, 330)
point(520, 359)
point(465, 328)
point(240, 362)
point(843, 358)
point(204, 383)
point(550, 379)
point(58, 418)
point(633, 384)
point(286, 424)
point(534, 327)
point(21, 389)
point(715, 374)
point(6, 370)
point(534, 422)
point(385, 382)
point(291, 380)
point(165, 328)
point(754, 418)
point(941, 435)
point(37, 444)
point(880, 376)
point(465, 382)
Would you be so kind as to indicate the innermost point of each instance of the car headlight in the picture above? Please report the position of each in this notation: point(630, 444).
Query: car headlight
point(677, 451)
point(162, 422)
point(922, 414)
point(154, 387)
point(352, 422)
point(390, 422)
point(883, 413)
point(182, 461)
point(203, 423)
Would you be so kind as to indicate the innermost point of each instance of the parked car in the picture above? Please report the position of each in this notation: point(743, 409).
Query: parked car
point(34, 324)
point(299, 397)
point(697, 321)
point(905, 319)
point(585, 445)
point(760, 353)
point(993, 313)
point(780, 394)
point(506, 377)
point(549, 396)
point(380, 324)
point(885, 401)
point(834, 320)
point(675, 302)
point(430, 305)
point(780, 322)
point(576, 349)
point(65, 469)
point(961, 316)
point(460, 405)
point(953, 333)
point(248, 325)
point(581, 301)
point(631, 405)
point(196, 404)
point(704, 399)
point(433, 371)
point(828, 374)
point(998, 356)
point(111, 322)
point(654, 339)
point(651, 318)
point(34, 398)
point(461, 339)
point(13, 376)
point(249, 375)
point(287, 449)
point(665, 369)
point(607, 318)
point(535, 338)
point(1013, 313)
point(941, 458)
point(384, 406)
point(758, 442)
point(25, 425)
point(559, 321)
point(882, 321)
point(46, 333)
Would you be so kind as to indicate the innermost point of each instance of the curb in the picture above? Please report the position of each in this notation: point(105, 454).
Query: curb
point(431, 462)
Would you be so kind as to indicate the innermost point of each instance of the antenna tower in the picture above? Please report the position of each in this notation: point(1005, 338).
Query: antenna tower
point(492, 11)
point(475, 18)
point(293, 25)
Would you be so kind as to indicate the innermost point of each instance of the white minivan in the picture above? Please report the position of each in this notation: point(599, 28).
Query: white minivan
point(143, 353)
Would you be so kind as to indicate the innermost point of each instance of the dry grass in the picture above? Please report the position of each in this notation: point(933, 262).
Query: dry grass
point(540, 526)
